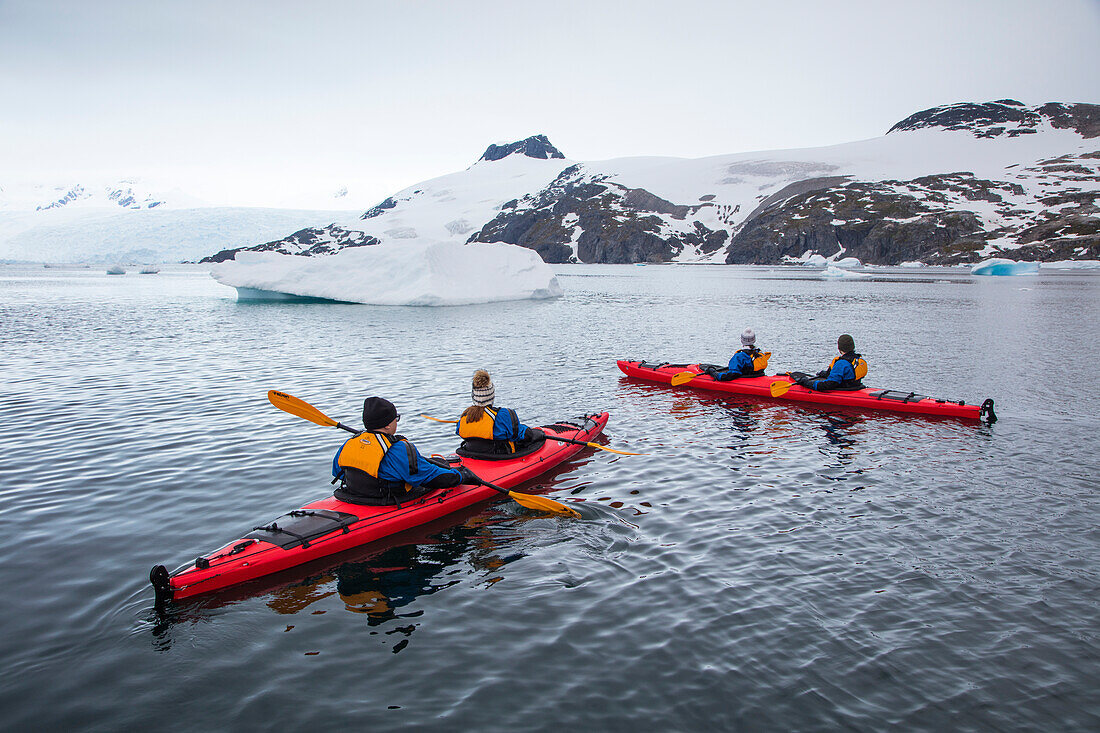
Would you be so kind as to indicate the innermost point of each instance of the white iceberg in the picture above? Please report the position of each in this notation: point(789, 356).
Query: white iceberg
point(847, 262)
point(836, 272)
point(913, 263)
point(406, 272)
point(999, 266)
point(815, 260)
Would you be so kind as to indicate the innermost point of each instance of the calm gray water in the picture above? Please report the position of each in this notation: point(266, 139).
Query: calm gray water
point(765, 567)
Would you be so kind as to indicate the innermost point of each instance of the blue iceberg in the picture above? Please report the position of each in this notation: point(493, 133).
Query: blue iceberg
point(998, 266)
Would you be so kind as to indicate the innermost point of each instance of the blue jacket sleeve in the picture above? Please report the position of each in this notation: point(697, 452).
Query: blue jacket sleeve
point(502, 427)
point(336, 470)
point(740, 365)
point(841, 372)
point(395, 467)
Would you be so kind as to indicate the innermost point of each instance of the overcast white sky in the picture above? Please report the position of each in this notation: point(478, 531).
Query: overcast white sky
point(258, 102)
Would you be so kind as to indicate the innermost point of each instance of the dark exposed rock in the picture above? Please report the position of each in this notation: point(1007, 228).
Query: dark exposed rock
point(379, 209)
point(1084, 118)
point(1006, 116)
point(607, 222)
point(308, 242)
point(873, 222)
point(536, 146)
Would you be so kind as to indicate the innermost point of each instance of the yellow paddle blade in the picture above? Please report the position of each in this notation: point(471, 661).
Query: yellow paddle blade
point(541, 503)
point(429, 417)
point(683, 378)
point(779, 389)
point(300, 408)
point(612, 450)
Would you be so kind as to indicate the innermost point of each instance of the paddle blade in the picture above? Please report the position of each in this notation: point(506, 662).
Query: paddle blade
point(300, 408)
point(683, 378)
point(429, 417)
point(779, 389)
point(612, 450)
point(541, 503)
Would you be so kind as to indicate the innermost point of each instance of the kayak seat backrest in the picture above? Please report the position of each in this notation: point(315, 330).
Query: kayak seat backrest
point(302, 526)
point(489, 450)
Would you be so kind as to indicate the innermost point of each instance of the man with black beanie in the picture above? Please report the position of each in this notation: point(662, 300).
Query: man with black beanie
point(845, 371)
point(378, 466)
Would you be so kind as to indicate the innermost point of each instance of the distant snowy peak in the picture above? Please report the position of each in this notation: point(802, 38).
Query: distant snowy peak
point(1005, 117)
point(536, 146)
point(119, 194)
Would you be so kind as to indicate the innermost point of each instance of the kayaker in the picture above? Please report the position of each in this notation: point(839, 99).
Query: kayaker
point(843, 373)
point(748, 361)
point(492, 430)
point(378, 466)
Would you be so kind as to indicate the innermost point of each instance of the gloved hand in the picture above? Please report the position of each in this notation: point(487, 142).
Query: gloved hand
point(468, 476)
point(802, 379)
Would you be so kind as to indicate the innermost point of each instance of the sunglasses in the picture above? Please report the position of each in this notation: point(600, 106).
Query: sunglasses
point(396, 419)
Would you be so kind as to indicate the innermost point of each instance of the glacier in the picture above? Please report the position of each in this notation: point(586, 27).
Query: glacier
point(417, 272)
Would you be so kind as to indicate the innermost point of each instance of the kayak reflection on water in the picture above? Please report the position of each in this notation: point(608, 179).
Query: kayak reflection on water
point(380, 584)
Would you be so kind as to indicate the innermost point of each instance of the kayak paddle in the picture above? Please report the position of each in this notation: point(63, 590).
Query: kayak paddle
point(554, 437)
point(778, 389)
point(531, 501)
point(684, 377)
point(306, 411)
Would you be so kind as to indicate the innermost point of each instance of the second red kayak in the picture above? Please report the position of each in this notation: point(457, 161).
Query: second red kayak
point(866, 398)
point(329, 525)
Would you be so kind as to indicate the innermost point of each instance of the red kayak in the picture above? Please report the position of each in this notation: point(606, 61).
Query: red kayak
point(865, 399)
point(329, 525)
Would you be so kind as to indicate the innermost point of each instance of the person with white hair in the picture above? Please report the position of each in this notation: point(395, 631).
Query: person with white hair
point(486, 429)
point(748, 361)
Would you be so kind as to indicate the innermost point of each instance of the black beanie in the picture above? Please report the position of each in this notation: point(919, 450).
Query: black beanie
point(377, 413)
point(846, 344)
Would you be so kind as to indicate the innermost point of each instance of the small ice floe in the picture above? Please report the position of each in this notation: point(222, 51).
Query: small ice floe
point(836, 272)
point(405, 272)
point(116, 270)
point(150, 270)
point(999, 266)
point(913, 263)
point(847, 263)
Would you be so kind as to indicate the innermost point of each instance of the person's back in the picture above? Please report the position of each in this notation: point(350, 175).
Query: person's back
point(378, 466)
point(845, 372)
point(489, 430)
point(748, 361)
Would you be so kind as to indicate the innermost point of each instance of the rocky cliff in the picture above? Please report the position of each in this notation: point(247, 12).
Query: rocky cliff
point(309, 242)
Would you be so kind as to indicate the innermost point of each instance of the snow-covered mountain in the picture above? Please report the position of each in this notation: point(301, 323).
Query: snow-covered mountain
point(949, 184)
point(129, 221)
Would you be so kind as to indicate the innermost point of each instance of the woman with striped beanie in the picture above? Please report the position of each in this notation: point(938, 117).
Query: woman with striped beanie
point(486, 429)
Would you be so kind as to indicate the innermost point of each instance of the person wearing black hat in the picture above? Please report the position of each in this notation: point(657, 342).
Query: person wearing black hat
point(378, 466)
point(844, 372)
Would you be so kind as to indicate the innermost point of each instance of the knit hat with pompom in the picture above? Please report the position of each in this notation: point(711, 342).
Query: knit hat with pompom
point(483, 392)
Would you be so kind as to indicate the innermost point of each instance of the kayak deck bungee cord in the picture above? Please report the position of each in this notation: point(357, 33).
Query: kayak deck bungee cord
point(866, 398)
point(328, 526)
